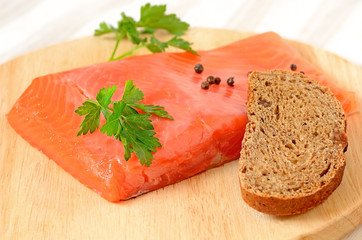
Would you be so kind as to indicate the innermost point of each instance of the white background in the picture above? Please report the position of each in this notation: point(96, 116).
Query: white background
point(334, 25)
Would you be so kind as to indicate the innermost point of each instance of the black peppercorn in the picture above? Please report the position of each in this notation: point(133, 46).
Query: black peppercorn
point(230, 82)
point(199, 68)
point(205, 85)
point(293, 67)
point(210, 79)
point(217, 80)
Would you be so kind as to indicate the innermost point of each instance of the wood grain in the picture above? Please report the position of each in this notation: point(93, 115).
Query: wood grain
point(39, 200)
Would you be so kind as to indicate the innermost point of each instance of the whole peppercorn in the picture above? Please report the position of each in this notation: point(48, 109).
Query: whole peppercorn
point(205, 85)
point(198, 68)
point(217, 80)
point(293, 67)
point(210, 79)
point(230, 81)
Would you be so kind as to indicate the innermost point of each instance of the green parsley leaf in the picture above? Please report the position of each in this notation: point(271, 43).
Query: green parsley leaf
point(104, 99)
point(180, 43)
point(131, 94)
point(123, 121)
point(113, 126)
point(104, 29)
point(92, 110)
point(138, 133)
point(91, 121)
point(128, 27)
point(128, 149)
point(129, 110)
point(104, 96)
point(126, 18)
point(148, 30)
point(151, 109)
point(156, 46)
point(155, 17)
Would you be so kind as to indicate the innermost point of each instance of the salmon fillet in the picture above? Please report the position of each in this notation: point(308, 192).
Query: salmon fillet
point(208, 127)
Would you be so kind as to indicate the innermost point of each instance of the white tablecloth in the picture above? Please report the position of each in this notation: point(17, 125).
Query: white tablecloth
point(334, 25)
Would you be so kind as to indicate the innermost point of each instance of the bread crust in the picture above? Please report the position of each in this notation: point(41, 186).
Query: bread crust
point(291, 206)
point(274, 205)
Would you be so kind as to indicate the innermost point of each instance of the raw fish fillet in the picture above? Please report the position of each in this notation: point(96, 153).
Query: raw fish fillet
point(208, 126)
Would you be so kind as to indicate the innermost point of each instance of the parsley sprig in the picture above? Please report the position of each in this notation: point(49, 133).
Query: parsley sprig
point(123, 121)
point(152, 17)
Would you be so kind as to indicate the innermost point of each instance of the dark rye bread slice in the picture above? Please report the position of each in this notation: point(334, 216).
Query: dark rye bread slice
point(292, 152)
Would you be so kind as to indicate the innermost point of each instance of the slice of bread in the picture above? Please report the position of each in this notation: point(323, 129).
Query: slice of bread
point(292, 152)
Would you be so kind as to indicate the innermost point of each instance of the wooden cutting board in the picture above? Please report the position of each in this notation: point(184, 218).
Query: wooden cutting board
point(39, 200)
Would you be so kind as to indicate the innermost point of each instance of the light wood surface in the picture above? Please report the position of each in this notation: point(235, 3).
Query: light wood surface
point(39, 200)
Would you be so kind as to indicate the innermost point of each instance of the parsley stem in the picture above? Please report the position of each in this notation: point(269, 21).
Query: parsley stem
point(114, 50)
point(119, 37)
point(130, 52)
